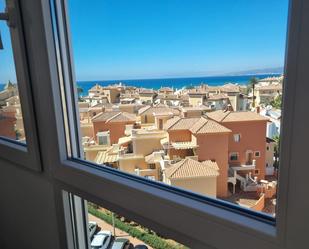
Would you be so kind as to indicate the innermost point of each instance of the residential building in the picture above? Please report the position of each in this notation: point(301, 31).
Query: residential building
point(7, 126)
point(264, 94)
point(246, 146)
point(196, 97)
point(108, 127)
point(190, 174)
point(143, 153)
point(147, 96)
point(147, 113)
point(270, 152)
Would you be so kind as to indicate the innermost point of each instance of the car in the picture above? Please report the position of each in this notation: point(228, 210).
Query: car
point(101, 240)
point(140, 247)
point(122, 243)
point(93, 226)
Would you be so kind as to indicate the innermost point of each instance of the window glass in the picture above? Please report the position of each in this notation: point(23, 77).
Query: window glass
point(234, 156)
point(112, 230)
point(168, 98)
point(236, 137)
point(11, 118)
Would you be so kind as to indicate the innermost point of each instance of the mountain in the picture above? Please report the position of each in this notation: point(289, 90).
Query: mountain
point(274, 70)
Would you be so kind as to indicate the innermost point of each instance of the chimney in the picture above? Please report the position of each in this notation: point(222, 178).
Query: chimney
point(258, 109)
point(229, 107)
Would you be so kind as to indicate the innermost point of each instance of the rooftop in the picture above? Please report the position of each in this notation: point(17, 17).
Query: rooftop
point(205, 125)
point(114, 116)
point(230, 116)
point(189, 168)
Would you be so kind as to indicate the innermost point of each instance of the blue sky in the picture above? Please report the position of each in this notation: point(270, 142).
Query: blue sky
point(127, 39)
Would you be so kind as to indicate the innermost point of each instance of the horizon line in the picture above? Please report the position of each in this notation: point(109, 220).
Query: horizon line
point(186, 77)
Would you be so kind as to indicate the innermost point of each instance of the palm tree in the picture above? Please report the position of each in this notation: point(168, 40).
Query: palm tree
point(80, 90)
point(277, 151)
point(253, 81)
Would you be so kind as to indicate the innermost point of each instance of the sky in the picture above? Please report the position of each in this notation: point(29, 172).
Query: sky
point(130, 39)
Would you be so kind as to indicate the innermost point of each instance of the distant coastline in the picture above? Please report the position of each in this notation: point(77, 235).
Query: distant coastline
point(176, 83)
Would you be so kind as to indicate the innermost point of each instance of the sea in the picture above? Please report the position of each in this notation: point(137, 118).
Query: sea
point(176, 83)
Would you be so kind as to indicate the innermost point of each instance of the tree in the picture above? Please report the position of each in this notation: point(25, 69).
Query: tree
point(276, 151)
point(80, 90)
point(252, 82)
point(277, 102)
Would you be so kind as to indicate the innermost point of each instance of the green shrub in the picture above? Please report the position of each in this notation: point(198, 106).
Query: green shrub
point(149, 238)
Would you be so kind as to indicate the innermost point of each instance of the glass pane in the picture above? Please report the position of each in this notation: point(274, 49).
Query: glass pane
point(185, 93)
point(107, 229)
point(11, 120)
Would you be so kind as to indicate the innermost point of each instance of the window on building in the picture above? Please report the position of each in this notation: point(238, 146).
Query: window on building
point(152, 166)
point(234, 156)
point(257, 154)
point(103, 138)
point(237, 138)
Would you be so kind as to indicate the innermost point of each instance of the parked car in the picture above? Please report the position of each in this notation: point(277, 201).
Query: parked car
point(101, 240)
point(122, 243)
point(140, 247)
point(92, 226)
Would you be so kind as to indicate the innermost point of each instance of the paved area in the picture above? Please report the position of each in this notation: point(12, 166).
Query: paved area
point(119, 233)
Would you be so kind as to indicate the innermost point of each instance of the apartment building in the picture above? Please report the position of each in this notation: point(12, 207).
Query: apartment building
point(190, 174)
point(147, 114)
point(246, 141)
point(143, 154)
point(108, 127)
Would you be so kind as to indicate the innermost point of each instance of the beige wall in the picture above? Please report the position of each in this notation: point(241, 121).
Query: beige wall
point(130, 164)
point(269, 157)
point(195, 101)
point(146, 145)
point(86, 130)
point(146, 99)
point(147, 118)
point(205, 185)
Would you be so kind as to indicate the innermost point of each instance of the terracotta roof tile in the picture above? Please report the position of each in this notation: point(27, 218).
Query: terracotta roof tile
point(114, 116)
point(229, 116)
point(157, 110)
point(180, 123)
point(189, 168)
point(204, 126)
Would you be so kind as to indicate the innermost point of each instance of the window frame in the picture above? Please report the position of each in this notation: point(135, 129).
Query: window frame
point(203, 225)
point(24, 154)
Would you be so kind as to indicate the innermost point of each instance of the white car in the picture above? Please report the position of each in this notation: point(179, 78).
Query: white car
point(101, 240)
point(93, 226)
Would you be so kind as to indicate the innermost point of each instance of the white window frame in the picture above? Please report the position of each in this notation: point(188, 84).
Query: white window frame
point(23, 154)
point(237, 137)
point(257, 151)
point(203, 223)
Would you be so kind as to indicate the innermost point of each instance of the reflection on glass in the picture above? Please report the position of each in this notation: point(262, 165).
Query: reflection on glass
point(11, 121)
point(198, 105)
point(109, 230)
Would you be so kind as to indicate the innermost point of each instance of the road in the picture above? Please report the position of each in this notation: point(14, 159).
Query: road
point(119, 233)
